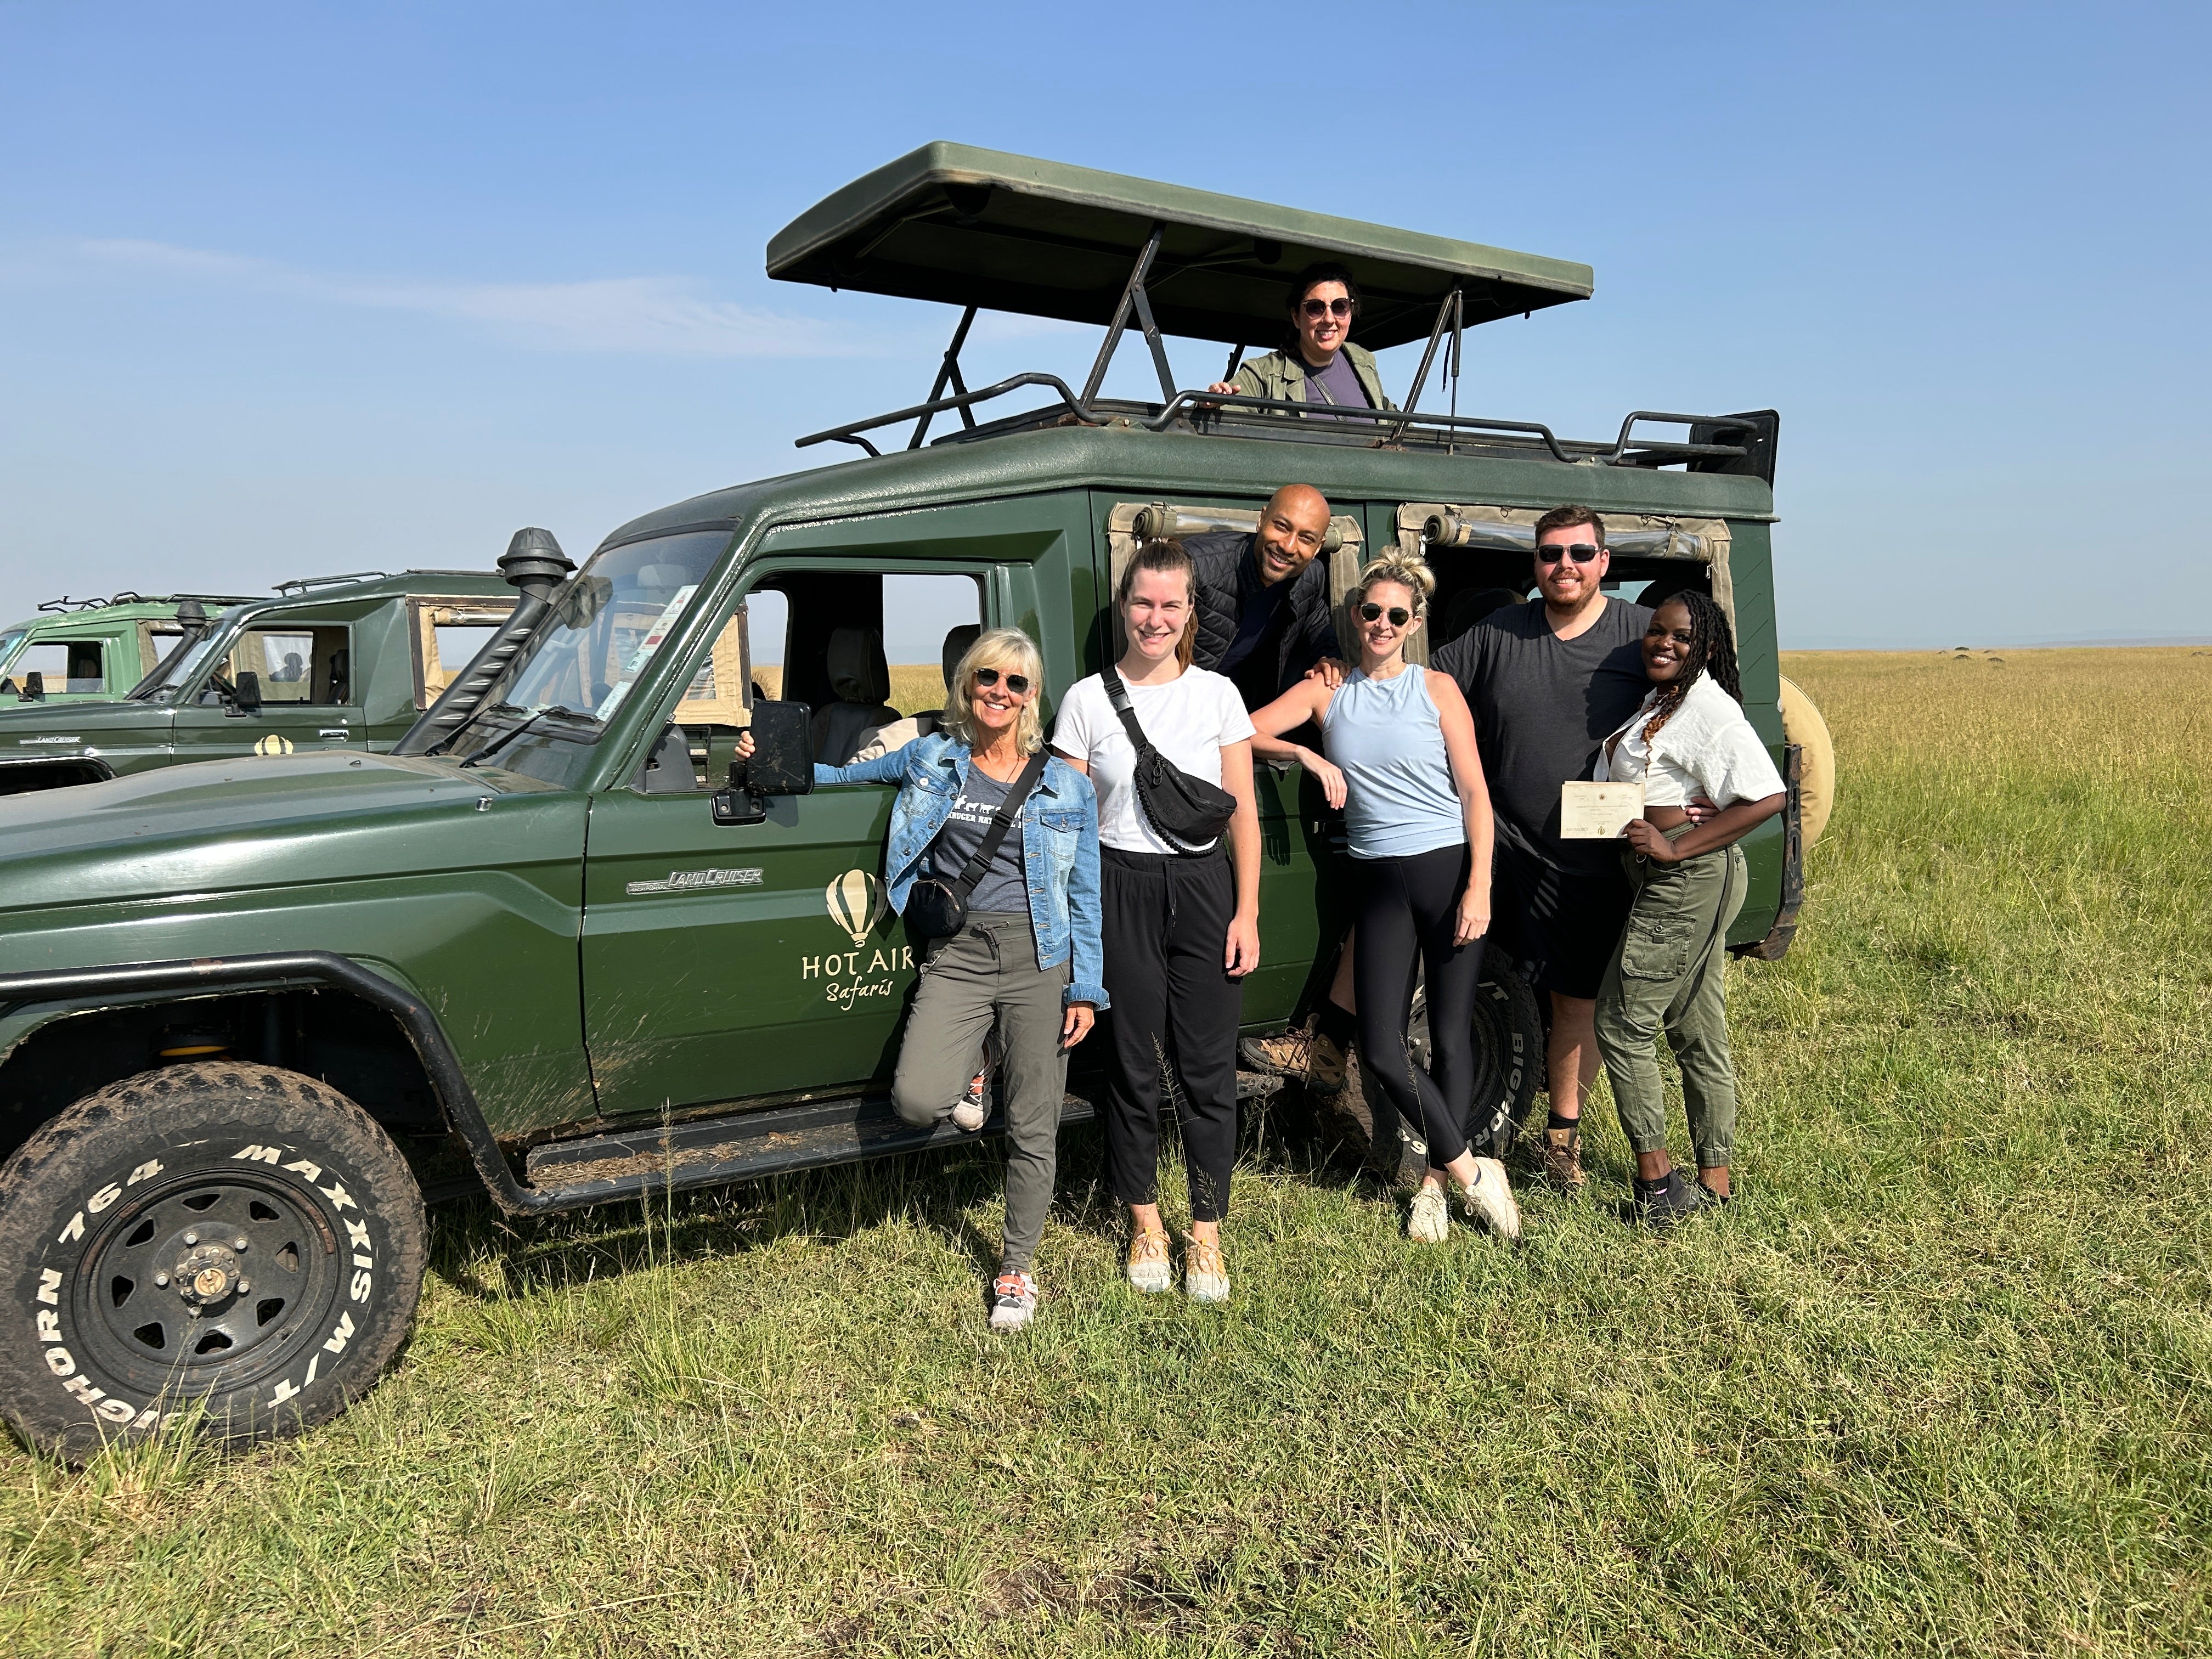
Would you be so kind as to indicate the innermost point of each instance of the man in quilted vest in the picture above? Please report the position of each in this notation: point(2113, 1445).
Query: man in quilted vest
point(1264, 618)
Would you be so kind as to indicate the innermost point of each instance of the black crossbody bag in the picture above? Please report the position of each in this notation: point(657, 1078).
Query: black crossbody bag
point(1188, 813)
point(939, 908)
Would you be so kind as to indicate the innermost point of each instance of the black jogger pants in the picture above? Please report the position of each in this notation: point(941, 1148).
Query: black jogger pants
point(1173, 1022)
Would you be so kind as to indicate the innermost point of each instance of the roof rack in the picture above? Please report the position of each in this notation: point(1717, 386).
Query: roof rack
point(300, 583)
point(979, 228)
point(65, 605)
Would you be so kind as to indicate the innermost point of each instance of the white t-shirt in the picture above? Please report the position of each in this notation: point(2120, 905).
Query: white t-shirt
point(1188, 720)
point(1706, 748)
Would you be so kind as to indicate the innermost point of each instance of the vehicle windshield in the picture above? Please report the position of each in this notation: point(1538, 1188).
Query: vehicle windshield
point(11, 642)
point(604, 629)
point(163, 685)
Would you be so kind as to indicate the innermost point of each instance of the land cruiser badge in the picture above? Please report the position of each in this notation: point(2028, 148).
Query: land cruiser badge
point(686, 881)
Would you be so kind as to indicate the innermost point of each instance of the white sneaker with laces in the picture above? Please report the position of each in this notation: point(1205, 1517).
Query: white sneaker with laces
point(974, 1102)
point(1013, 1300)
point(1491, 1199)
point(1430, 1220)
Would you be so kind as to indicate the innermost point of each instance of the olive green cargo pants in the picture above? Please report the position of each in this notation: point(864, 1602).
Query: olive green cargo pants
point(983, 974)
point(1670, 973)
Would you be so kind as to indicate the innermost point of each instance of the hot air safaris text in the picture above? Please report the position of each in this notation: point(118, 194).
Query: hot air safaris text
point(857, 903)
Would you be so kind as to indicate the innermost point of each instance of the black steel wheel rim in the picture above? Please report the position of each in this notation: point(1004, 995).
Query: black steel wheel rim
point(196, 1336)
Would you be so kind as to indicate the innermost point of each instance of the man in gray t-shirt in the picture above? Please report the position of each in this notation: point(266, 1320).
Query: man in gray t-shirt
point(1548, 682)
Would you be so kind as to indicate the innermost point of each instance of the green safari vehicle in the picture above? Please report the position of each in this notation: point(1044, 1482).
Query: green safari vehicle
point(81, 650)
point(329, 662)
point(558, 928)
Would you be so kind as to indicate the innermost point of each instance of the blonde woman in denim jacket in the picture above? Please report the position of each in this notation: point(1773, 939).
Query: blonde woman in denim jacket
point(1028, 961)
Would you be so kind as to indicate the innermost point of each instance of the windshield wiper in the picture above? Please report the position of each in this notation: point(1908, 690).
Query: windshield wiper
point(510, 735)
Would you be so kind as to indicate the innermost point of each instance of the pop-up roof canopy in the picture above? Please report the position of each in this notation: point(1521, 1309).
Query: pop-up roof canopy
point(1007, 232)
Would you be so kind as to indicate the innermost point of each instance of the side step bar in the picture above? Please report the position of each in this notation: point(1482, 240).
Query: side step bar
point(747, 1145)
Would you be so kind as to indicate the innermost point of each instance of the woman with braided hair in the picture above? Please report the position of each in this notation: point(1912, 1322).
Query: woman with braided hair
point(1689, 739)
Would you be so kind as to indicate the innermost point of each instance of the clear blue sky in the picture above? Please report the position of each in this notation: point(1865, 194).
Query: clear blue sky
point(288, 290)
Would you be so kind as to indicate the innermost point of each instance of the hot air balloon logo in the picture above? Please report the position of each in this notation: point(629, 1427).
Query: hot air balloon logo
point(856, 902)
point(274, 744)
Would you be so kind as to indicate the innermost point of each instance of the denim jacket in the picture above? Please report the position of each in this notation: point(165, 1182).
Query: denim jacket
point(1059, 846)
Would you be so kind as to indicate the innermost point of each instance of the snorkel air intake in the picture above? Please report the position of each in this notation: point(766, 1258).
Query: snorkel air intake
point(535, 566)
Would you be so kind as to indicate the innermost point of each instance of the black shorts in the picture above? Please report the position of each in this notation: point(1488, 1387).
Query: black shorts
point(1561, 925)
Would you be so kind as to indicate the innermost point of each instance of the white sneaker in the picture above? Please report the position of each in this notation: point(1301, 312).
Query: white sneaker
point(1013, 1300)
point(1491, 1199)
point(1430, 1220)
point(974, 1103)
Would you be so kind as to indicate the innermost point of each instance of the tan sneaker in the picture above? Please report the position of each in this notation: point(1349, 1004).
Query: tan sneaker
point(1559, 1159)
point(1205, 1273)
point(1148, 1267)
point(1283, 1055)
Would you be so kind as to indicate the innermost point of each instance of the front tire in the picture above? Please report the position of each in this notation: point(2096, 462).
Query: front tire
point(221, 1232)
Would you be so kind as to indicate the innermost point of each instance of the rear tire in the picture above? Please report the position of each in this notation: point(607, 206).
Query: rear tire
point(1509, 1055)
point(121, 1223)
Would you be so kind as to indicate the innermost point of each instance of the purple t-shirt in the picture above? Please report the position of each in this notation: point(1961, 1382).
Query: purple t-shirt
point(1338, 382)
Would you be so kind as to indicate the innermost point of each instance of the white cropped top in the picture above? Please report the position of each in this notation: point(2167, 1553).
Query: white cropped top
point(1706, 748)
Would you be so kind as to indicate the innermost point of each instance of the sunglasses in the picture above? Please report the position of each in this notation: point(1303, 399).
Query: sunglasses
point(1580, 552)
point(1398, 614)
point(1019, 684)
point(1320, 308)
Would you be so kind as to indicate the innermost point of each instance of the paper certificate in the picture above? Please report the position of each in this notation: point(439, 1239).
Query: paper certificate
point(1598, 812)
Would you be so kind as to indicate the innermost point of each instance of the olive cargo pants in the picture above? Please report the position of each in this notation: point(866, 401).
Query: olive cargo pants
point(984, 973)
point(1670, 973)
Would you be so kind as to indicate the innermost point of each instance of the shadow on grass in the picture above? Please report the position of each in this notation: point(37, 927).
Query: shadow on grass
point(490, 1257)
point(494, 1257)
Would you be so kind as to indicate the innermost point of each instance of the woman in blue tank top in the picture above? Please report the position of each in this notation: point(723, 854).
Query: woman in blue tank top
point(1403, 766)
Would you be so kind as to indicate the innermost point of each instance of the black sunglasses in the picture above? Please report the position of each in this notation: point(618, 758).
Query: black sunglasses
point(1398, 614)
point(1327, 308)
point(1017, 684)
point(1582, 552)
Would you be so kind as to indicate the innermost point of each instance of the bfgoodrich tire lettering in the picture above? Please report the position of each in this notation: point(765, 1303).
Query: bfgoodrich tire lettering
point(223, 1232)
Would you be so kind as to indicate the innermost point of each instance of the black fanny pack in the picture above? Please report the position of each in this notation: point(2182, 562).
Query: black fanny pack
point(938, 909)
point(1188, 813)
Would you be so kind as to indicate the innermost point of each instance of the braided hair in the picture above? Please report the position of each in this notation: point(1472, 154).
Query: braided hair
point(1713, 651)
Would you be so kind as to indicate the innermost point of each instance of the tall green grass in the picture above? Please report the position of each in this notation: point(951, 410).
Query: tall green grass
point(1938, 1382)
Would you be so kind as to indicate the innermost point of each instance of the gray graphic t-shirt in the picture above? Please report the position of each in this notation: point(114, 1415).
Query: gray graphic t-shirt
point(1005, 884)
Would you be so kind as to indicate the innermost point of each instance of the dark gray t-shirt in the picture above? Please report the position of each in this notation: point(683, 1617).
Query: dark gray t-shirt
point(1541, 706)
point(1341, 383)
point(1005, 884)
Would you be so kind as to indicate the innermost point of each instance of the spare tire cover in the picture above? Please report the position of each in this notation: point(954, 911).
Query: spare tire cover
point(1816, 789)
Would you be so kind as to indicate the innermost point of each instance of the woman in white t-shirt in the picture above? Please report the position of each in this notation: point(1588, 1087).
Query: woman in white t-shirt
point(1690, 739)
point(1181, 928)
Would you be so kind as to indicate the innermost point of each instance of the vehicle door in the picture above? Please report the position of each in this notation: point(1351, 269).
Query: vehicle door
point(726, 962)
point(303, 671)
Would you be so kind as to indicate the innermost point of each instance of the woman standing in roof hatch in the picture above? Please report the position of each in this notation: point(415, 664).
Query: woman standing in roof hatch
point(1318, 364)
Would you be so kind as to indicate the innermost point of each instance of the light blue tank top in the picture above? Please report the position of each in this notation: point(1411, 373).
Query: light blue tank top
point(1385, 737)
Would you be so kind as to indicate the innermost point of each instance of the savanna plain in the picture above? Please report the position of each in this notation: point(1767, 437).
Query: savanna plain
point(1941, 1381)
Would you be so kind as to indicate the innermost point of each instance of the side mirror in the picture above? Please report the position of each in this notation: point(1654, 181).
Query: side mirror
point(248, 691)
point(35, 686)
point(783, 763)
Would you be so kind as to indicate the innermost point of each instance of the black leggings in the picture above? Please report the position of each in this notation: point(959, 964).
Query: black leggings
point(1408, 910)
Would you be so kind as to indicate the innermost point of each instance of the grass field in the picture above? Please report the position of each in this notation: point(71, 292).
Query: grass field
point(915, 686)
point(1938, 1384)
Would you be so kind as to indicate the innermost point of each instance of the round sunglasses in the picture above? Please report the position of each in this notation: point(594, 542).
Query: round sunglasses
point(1018, 685)
point(1320, 308)
point(1398, 614)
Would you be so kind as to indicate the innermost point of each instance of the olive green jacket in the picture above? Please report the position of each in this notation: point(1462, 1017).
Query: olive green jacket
point(1283, 374)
